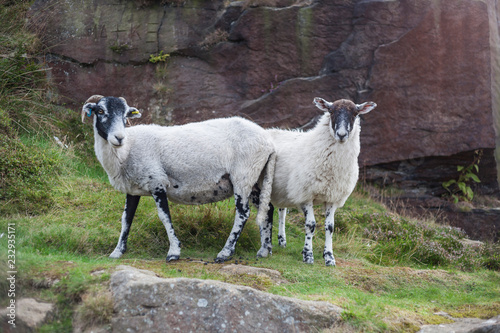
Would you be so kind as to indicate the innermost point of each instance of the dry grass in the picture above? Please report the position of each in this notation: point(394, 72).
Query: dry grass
point(213, 38)
point(96, 309)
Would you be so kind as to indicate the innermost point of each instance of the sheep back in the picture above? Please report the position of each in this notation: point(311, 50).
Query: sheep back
point(211, 158)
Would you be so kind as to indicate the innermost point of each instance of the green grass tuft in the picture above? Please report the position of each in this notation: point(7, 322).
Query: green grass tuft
point(399, 240)
point(26, 173)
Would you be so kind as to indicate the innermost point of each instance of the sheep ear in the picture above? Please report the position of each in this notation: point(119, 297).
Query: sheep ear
point(322, 104)
point(365, 107)
point(87, 110)
point(133, 113)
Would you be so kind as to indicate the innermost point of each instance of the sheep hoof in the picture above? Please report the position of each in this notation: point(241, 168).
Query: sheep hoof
point(330, 262)
point(224, 255)
point(263, 252)
point(172, 257)
point(115, 254)
point(220, 260)
point(329, 259)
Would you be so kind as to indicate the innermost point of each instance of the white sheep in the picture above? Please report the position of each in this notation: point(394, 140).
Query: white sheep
point(319, 166)
point(195, 163)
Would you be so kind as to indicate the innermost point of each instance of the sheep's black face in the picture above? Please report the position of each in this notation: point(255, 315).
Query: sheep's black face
point(110, 114)
point(343, 116)
point(110, 120)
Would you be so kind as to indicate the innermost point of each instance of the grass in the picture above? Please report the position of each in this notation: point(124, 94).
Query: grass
point(28, 121)
point(401, 292)
point(393, 273)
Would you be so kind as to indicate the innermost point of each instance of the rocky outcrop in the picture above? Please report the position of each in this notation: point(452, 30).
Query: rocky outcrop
point(147, 303)
point(465, 325)
point(28, 314)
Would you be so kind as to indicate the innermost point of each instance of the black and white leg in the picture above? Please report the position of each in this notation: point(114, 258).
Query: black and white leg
point(266, 228)
point(281, 230)
point(131, 204)
point(160, 196)
point(241, 217)
point(329, 224)
point(307, 252)
point(266, 234)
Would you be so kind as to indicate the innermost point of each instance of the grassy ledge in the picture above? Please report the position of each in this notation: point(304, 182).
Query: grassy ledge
point(392, 273)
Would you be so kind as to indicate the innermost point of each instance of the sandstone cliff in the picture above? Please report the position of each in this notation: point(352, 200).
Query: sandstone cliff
point(430, 65)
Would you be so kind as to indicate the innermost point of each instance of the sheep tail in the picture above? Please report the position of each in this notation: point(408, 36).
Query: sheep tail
point(267, 186)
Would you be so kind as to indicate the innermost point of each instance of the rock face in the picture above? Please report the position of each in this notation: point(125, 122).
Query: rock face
point(435, 90)
point(29, 315)
point(146, 303)
point(465, 325)
point(267, 59)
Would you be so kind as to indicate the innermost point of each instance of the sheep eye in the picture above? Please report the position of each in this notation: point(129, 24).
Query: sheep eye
point(100, 111)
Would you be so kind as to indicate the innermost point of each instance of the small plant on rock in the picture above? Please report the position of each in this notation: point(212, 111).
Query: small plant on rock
point(273, 85)
point(459, 189)
point(119, 48)
point(160, 57)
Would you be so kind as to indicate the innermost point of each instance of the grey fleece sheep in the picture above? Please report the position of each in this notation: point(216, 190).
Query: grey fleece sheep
point(190, 164)
point(319, 166)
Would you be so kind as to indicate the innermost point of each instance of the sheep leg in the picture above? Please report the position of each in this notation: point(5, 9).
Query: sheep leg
point(266, 228)
point(307, 252)
point(242, 214)
point(281, 231)
point(131, 204)
point(329, 223)
point(160, 196)
point(266, 235)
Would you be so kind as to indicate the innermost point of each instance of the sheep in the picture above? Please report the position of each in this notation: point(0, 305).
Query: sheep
point(319, 166)
point(195, 163)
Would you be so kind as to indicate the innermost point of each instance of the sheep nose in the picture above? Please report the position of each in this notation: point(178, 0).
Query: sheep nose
point(119, 139)
point(342, 137)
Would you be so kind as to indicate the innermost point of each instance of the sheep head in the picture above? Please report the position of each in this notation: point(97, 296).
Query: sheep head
point(110, 115)
point(343, 115)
